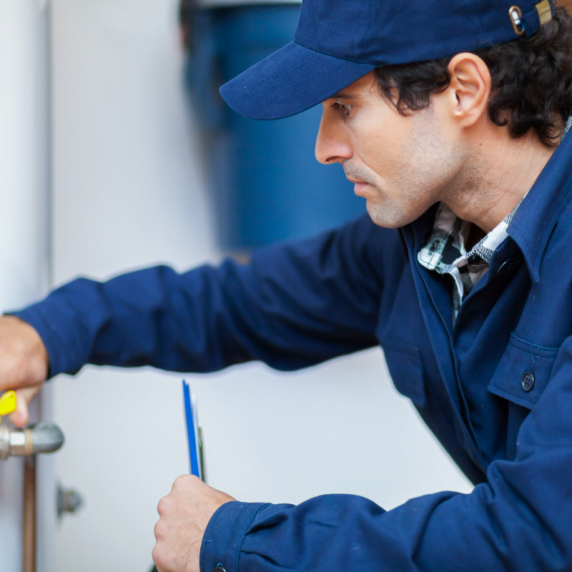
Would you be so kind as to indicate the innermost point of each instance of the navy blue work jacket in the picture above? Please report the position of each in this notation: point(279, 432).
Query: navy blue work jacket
point(495, 387)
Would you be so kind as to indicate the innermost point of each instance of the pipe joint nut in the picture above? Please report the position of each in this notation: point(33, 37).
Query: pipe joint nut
point(41, 438)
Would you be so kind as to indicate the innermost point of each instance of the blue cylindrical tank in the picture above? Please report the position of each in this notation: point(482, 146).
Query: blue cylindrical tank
point(266, 183)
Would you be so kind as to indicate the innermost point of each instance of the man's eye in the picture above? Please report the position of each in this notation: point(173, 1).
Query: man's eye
point(344, 110)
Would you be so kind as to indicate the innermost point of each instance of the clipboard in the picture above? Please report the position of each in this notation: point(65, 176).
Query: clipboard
point(194, 433)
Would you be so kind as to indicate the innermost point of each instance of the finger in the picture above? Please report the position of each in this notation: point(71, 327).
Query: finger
point(188, 483)
point(158, 557)
point(163, 506)
point(20, 417)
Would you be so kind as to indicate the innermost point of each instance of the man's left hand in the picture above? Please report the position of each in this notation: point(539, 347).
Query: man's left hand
point(184, 515)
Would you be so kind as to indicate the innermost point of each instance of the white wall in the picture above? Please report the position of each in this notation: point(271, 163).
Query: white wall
point(24, 244)
point(128, 193)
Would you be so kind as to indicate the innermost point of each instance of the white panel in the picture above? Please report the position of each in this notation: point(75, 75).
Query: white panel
point(23, 151)
point(24, 244)
point(11, 514)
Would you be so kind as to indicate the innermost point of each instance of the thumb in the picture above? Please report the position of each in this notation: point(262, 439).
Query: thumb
point(24, 396)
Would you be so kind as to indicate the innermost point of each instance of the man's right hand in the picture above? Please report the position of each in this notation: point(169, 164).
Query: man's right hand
point(23, 363)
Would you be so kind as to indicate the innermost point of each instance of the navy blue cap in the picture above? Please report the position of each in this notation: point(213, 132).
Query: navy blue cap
point(339, 41)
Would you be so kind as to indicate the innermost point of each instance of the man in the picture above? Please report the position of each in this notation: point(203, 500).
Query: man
point(462, 274)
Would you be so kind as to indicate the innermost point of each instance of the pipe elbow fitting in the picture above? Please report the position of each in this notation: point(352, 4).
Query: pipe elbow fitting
point(37, 439)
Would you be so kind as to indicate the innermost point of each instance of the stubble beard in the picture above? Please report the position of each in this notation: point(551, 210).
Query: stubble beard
point(396, 214)
point(382, 210)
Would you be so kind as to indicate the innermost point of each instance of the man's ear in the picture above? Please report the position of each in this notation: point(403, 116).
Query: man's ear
point(469, 89)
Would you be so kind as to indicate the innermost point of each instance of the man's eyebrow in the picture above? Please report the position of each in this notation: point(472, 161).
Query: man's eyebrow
point(342, 95)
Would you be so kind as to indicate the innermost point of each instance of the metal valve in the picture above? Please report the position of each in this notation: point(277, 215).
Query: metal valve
point(41, 438)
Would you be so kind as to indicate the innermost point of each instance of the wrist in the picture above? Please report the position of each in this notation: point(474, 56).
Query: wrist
point(32, 347)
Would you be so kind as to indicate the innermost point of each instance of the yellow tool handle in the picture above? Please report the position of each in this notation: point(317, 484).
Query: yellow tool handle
point(8, 403)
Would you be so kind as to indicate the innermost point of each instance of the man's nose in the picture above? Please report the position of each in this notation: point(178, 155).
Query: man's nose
point(330, 144)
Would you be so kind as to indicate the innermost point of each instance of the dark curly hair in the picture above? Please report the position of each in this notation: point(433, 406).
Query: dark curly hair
point(531, 81)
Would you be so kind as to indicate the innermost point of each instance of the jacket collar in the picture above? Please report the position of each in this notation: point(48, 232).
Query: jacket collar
point(539, 212)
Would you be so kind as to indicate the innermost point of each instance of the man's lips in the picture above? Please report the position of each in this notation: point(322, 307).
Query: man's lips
point(359, 186)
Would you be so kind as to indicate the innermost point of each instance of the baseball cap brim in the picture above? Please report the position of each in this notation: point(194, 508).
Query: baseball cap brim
point(289, 81)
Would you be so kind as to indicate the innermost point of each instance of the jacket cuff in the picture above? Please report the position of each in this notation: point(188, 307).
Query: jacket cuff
point(224, 534)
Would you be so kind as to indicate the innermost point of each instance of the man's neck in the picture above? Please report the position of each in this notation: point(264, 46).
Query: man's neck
point(499, 173)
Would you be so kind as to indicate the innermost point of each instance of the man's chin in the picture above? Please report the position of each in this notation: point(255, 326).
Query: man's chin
point(387, 217)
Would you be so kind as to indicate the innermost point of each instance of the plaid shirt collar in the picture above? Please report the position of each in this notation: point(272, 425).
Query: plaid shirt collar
point(445, 251)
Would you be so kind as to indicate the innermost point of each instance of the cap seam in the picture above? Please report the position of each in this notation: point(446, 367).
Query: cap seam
point(335, 57)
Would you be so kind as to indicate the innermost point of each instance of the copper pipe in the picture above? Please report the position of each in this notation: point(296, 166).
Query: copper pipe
point(29, 532)
point(40, 438)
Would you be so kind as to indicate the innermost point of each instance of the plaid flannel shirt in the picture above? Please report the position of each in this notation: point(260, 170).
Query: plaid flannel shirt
point(445, 251)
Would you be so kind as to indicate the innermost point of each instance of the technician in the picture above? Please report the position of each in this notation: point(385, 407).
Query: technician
point(462, 272)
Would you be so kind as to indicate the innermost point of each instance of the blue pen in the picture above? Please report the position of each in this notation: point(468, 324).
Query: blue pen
point(193, 433)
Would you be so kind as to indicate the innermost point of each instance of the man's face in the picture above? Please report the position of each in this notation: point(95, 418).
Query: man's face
point(401, 165)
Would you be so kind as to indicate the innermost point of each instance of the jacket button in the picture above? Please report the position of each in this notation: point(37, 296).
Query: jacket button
point(219, 568)
point(527, 381)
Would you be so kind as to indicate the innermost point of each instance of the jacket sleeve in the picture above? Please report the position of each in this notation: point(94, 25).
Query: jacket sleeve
point(518, 521)
point(293, 306)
